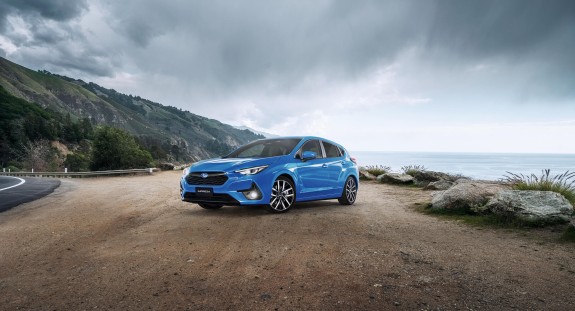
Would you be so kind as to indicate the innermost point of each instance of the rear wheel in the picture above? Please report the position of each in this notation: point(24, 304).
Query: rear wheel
point(210, 205)
point(349, 192)
point(283, 195)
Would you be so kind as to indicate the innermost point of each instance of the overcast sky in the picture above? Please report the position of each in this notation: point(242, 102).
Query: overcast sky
point(449, 75)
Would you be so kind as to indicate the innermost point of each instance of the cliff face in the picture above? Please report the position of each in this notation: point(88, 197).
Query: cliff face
point(187, 134)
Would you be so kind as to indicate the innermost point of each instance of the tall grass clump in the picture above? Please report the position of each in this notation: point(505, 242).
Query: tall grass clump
point(377, 170)
point(562, 183)
point(412, 169)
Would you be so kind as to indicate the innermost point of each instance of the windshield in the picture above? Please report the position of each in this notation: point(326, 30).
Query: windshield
point(265, 148)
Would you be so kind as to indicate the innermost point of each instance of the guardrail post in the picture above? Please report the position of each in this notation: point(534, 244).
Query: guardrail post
point(65, 170)
point(32, 170)
point(150, 170)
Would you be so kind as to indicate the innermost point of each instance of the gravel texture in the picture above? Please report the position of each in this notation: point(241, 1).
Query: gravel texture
point(129, 243)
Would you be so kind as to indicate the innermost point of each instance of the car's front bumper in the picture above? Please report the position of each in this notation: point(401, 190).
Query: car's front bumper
point(232, 192)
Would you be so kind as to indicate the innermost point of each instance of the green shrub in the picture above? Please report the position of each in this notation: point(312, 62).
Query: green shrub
point(12, 168)
point(562, 183)
point(116, 149)
point(77, 162)
point(412, 169)
point(377, 170)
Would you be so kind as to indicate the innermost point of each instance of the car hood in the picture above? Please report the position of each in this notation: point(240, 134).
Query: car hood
point(230, 164)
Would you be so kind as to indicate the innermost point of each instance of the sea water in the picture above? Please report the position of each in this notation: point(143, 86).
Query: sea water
point(489, 166)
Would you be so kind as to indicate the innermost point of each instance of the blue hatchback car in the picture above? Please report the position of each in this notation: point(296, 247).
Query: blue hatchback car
point(274, 172)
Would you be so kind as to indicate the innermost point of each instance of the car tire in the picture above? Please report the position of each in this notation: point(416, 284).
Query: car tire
point(210, 205)
point(349, 193)
point(283, 195)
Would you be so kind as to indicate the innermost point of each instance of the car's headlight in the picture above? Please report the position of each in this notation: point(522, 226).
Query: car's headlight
point(252, 170)
point(186, 171)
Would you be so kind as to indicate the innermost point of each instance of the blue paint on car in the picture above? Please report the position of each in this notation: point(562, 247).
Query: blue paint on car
point(276, 173)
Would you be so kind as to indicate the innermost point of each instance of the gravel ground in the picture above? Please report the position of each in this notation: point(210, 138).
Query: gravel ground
point(129, 243)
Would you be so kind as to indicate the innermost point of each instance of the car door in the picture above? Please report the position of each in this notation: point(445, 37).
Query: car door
point(333, 167)
point(313, 178)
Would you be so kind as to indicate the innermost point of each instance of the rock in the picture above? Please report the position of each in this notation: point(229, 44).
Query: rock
point(466, 195)
point(423, 178)
point(543, 207)
point(439, 185)
point(166, 166)
point(365, 175)
point(395, 178)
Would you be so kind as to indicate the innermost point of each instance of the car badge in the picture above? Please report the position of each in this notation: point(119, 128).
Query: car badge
point(204, 175)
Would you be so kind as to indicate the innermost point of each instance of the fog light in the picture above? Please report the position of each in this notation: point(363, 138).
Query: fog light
point(253, 193)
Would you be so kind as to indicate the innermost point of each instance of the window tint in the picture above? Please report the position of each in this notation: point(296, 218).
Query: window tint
point(331, 151)
point(312, 145)
point(265, 148)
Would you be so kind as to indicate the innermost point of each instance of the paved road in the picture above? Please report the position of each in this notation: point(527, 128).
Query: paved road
point(17, 190)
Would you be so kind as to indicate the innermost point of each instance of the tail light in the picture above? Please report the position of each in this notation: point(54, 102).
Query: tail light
point(353, 160)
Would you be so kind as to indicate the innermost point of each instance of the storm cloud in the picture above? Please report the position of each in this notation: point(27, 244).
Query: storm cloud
point(300, 66)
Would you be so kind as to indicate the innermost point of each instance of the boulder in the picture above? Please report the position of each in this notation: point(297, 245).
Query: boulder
point(365, 175)
point(466, 195)
point(423, 178)
point(542, 207)
point(166, 166)
point(395, 178)
point(439, 185)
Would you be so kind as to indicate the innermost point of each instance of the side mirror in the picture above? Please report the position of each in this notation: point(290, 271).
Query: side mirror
point(308, 155)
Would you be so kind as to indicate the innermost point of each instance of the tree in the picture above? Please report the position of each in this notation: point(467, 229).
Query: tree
point(115, 149)
point(39, 156)
point(77, 162)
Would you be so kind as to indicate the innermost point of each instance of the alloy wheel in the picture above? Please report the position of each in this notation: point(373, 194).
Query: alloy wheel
point(349, 193)
point(283, 195)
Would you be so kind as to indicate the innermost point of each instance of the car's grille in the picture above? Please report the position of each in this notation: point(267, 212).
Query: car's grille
point(221, 198)
point(213, 179)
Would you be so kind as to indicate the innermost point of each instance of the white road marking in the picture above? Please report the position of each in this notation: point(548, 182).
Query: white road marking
point(21, 182)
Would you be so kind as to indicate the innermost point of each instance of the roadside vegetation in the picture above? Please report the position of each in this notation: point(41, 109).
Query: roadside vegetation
point(377, 170)
point(562, 183)
point(45, 140)
point(412, 169)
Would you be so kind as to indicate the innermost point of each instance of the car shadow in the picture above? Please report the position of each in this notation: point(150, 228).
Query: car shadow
point(259, 211)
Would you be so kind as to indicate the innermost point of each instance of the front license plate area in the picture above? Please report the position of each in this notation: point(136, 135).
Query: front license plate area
point(205, 192)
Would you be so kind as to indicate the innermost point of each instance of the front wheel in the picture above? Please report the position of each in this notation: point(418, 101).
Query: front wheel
point(283, 195)
point(210, 205)
point(349, 192)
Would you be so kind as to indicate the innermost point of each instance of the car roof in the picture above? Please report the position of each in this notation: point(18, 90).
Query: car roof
point(302, 138)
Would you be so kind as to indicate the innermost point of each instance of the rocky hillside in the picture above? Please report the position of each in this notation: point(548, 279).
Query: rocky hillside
point(182, 134)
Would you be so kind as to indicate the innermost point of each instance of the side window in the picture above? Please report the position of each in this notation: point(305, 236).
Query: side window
point(312, 145)
point(331, 151)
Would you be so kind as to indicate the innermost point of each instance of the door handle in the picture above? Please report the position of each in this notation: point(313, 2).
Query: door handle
point(324, 166)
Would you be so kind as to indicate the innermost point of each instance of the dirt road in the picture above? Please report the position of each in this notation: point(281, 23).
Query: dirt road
point(129, 243)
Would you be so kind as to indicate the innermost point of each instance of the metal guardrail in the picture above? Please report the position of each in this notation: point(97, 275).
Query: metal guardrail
point(81, 174)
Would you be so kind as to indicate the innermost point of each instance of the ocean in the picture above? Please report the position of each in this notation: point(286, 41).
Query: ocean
point(488, 166)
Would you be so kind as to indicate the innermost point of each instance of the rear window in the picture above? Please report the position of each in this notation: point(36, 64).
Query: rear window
point(331, 150)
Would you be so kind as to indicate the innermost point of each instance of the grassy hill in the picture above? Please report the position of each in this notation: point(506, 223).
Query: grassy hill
point(181, 134)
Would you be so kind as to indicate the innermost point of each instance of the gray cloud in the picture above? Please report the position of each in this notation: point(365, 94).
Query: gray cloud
point(58, 10)
point(221, 45)
point(225, 49)
point(487, 28)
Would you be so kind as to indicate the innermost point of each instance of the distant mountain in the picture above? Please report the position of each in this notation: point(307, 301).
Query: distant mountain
point(266, 135)
point(184, 135)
